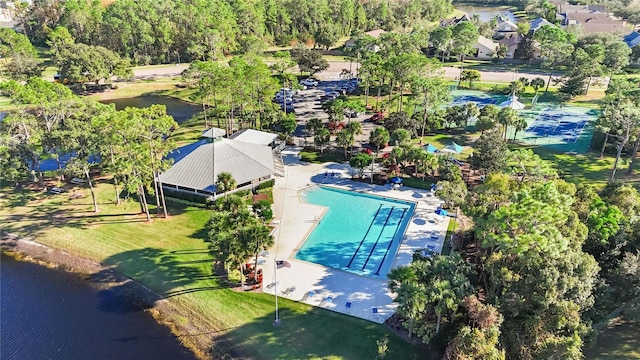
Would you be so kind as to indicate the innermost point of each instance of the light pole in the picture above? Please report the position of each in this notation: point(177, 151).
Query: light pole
point(277, 321)
point(373, 158)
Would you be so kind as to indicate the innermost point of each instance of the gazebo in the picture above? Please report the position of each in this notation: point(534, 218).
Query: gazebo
point(430, 148)
point(513, 103)
point(452, 148)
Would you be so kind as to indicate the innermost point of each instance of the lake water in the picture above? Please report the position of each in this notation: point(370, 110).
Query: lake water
point(51, 314)
point(487, 13)
point(180, 110)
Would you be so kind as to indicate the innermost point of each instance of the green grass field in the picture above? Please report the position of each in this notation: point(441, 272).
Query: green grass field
point(621, 340)
point(171, 258)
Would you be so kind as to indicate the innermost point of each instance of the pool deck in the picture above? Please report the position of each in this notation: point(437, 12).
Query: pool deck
point(313, 283)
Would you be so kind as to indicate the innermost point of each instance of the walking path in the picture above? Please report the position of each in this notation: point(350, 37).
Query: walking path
point(315, 284)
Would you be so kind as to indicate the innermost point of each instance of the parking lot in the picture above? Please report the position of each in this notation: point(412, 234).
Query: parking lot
point(307, 104)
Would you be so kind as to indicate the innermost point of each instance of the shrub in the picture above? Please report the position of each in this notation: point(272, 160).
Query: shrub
point(417, 183)
point(265, 185)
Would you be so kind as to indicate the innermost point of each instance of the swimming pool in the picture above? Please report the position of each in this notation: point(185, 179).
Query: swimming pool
point(359, 233)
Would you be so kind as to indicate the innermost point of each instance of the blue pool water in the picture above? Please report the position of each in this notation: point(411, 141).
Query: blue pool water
point(359, 233)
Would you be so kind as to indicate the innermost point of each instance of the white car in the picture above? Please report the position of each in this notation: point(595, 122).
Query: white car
point(309, 82)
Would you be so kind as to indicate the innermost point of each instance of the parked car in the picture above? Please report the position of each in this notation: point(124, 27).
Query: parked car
point(280, 100)
point(377, 117)
point(289, 109)
point(350, 113)
point(309, 82)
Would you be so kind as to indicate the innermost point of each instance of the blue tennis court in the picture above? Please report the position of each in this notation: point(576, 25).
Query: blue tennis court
point(567, 125)
point(482, 99)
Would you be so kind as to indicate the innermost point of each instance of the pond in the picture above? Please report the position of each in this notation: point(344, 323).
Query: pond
point(180, 110)
point(487, 12)
point(51, 314)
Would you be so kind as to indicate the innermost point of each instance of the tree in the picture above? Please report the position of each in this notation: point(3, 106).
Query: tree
point(488, 118)
point(464, 35)
point(536, 84)
point(288, 125)
point(308, 60)
point(360, 161)
point(532, 250)
point(453, 192)
point(490, 152)
point(509, 117)
point(23, 62)
point(529, 166)
point(82, 63)
point(435, 92)
point(470, 76)
point(435, 283)
point(379, 138)
point(441, 40)
point(345, 139)
point(480, 338)
point(400, 137)
point(225, 182)
point(626, 118)
point(321, 138)
point(263, 210)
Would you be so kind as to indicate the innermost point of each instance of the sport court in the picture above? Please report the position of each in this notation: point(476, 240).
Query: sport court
point(567, 128)
point(564, 128)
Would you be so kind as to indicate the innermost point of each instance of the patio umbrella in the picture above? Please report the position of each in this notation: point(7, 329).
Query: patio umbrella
point(442, 212)
point(396, 180)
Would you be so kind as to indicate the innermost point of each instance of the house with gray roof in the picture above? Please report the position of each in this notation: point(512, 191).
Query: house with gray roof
point(537, 23)
point(196, 166)
point(633, 39)
point(255, 137)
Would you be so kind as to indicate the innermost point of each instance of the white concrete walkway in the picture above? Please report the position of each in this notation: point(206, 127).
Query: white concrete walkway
point(331, 288)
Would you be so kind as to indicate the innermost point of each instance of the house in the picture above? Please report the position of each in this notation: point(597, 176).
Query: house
point(255, 137)
point(454, 21)
point(633, 39)
point(485, 48)
point(593, 22)
point(376, 34)
point(196, 166)
point(505, 26)
point(6, 9)
point(511, 43)
point(537, 23)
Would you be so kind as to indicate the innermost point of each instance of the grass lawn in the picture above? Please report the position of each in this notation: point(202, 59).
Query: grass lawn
point(125, 90)
point(171, 258)
point(619, 341)
point(317, 158)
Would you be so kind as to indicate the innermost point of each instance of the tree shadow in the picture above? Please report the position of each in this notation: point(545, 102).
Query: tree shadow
point(164, 274)
point(314, 333)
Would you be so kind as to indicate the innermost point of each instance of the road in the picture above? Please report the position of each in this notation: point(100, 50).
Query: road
point(335, 69)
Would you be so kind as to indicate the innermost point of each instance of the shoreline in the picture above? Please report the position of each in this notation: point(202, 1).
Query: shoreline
point(165, 313)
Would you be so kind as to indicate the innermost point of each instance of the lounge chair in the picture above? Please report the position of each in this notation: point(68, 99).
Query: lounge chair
point(327, 300)
point(375, 312)
point(289, 290)
point(347, 306)
point(308, 296)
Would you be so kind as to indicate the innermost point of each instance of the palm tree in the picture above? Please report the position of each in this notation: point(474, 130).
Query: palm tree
point(536, 84)
point(225, 182)
point(519, 125)
point(344, 139)
point(412, 302)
